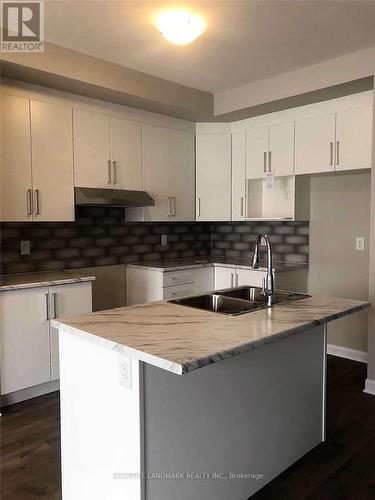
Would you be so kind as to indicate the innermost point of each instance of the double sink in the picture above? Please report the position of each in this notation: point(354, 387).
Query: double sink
point(236, 301)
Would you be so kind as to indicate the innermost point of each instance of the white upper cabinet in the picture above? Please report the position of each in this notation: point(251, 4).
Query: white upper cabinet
point(354, 138)
point(256, 153)
point(213, 161)
point(92, 166)
point(281, 149)
point(16, 183)
point(52, 162)
point(156, 166)
point(126, 154)
point(315, 144)
point(238, 175)
point(182, 176)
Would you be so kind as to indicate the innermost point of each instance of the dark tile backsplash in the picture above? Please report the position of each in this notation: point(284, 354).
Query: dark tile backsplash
point(100, 236)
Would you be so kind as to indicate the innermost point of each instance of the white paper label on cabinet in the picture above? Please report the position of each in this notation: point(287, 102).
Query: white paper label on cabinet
point(270, 180)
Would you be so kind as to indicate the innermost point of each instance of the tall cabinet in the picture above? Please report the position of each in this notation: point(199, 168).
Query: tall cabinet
point(36, 161)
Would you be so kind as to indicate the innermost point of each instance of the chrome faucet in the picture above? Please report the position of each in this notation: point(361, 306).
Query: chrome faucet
point(268, 282)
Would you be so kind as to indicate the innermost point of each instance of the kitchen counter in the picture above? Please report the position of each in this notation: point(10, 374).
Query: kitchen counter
point(181, 339)
point(194, 263)
point(32, 280)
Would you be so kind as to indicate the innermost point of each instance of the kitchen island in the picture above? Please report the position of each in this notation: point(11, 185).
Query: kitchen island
point(166, 402)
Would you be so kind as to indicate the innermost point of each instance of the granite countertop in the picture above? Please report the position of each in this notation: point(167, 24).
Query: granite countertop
point(182, 339)
point(32, 280)
point(179, 264)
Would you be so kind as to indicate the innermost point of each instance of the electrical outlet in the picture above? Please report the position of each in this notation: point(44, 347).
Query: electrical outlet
point(25, 247)
point(125, 371)
point(360, 243)
point(164, 240)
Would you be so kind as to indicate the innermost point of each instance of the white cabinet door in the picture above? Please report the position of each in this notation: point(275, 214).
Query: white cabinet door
point(204, 279)
point(224, 277)
point(52, 161)
point(213, 153)
point(354, 138)
point(66, 300)
point(126, 154)
point(256, 153)
point(281, 149)
point(182, 175)
point(91, 149)
point(155, 159)
point(315, 139)
point(15, 180)
point(25, 356)
point(238, 175)
point(248, 277)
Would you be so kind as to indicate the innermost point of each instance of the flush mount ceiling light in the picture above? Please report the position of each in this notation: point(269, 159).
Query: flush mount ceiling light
point(181, 27)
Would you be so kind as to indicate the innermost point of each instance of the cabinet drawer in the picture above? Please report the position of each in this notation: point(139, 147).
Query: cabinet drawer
point(178, 291)
point(178, 277)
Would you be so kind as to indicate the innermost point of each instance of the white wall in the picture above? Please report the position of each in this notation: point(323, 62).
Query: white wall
point(340, 211)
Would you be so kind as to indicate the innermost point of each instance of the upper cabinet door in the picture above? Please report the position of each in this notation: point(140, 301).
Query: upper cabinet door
point(52, 161)
point(315, 141)
point(126, 154)
point(15, 181)
point(238, 175)
point(91, 150)
point(213, 153)
point(354, 138)
point(155, 159)
point(182, 175)
point(256, 153)
point(281, 149)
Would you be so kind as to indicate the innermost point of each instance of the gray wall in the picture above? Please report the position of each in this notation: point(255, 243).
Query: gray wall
point(340, 211)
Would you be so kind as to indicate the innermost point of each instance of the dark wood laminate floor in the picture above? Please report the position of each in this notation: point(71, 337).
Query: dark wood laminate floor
point(342, 468)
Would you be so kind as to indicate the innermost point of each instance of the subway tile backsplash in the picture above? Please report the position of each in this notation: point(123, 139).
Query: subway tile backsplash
point(100, 236)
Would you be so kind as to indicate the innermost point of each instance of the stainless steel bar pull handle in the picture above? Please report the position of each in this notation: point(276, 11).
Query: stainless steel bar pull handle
point(269, 161)
point(29, 201)
point(109, 179)
point(331, 153)
point(174, 206)
point(242, 205)
point(114, 172)
point(337, 152)
point(37, 204)
point(54, 301)
point(231, 280)
point(199, 207)
point(236, 279)
point(265, 162)
point(169, 207)
point(46, 296)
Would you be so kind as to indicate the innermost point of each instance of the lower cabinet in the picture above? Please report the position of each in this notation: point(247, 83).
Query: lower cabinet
point(29, 354)
point(147, 285)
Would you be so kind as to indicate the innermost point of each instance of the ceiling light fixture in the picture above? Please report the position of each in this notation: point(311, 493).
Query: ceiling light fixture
point(181, 27)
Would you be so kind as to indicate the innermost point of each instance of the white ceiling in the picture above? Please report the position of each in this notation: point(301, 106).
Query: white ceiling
point(245, 41)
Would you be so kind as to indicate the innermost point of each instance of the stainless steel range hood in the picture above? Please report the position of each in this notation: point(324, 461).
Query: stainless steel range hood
point(112, 197)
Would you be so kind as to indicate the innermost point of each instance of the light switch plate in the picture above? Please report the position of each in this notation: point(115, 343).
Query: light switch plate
point(164, 240)
point(25, 247)
point(360, 243)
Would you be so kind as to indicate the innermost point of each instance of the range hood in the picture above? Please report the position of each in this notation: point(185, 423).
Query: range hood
point(112, 197)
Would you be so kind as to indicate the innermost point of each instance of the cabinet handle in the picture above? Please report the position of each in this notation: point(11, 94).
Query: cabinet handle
point(46, 296)
point(174, 206)
point(109, 181)
point(199, 207)
point(265, 162)
point(236, 279)
point(114, 172)
point(37, 205)
point(269, 161)
point(169, 207)
point(337, 152)
point(231, 280)
point(29, 201)
point(331, 153)
point(242, 205)
point(54, 300)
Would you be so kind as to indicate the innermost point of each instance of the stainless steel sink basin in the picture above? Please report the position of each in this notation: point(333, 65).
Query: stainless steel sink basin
point(236, 301)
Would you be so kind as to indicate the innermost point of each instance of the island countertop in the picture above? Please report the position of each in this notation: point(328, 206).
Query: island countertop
point(181, 339)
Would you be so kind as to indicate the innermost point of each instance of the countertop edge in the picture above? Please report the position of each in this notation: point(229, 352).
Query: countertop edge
point(38, 284)
point(283, 267)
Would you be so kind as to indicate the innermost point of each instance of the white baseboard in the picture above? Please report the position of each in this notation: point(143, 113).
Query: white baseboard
point(345, 352)
point(370, 386)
